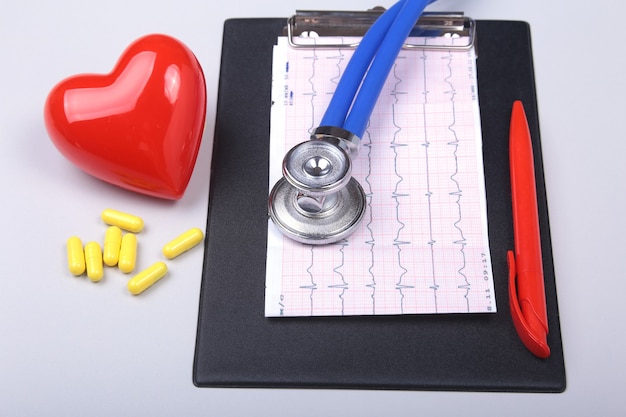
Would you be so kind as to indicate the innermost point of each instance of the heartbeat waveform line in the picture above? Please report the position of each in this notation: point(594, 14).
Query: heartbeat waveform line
point(339, 58)
point(396, 195)
point(312, 287)
point(426, 144)
point(313, 91)
point(369, 195)
point(344, 286)
point(458, 193)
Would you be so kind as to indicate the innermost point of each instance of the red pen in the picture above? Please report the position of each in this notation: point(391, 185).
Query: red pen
point(526, 284)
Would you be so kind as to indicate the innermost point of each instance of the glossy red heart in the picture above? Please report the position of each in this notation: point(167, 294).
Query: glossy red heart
point(138, 127)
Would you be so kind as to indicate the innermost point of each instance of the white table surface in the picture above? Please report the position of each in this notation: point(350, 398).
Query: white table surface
point(69, 347)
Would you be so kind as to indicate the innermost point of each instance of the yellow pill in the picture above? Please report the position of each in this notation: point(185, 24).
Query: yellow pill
point(112, 244)
point(122, 220)
point(75, 256)
point(128, 253)
point(93, 261)
point(183, 243)
point(144, 280)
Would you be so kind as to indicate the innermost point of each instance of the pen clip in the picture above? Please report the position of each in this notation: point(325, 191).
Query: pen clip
point(534, 343)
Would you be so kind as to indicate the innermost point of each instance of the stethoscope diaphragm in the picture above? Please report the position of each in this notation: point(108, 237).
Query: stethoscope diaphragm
point(338, 218)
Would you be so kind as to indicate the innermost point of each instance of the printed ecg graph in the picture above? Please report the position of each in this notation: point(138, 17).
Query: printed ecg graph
point(422, 247)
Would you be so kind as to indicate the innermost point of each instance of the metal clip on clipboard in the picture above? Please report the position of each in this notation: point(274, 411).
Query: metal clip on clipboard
point(326, 23)
point(317, 201)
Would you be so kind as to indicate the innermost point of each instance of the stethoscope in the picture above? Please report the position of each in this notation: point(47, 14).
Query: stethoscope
point(317, 201)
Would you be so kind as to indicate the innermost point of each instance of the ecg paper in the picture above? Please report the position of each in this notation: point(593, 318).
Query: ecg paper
point(422, 247)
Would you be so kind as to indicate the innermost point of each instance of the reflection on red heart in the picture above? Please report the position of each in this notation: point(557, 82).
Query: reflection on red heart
point(138, 127)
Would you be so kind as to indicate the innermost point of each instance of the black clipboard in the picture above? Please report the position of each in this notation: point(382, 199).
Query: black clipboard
point(237, 346)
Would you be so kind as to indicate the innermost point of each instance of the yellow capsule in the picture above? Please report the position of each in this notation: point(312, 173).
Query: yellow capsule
point(128, 253)
point(75, 256)
point(144, 280)
point(112, 244)
point(122, 220)
point(183, 243)
point(93, 261)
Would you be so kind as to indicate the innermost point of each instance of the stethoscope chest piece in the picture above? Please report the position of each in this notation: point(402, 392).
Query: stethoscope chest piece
point(317, 201)
point(337, 218)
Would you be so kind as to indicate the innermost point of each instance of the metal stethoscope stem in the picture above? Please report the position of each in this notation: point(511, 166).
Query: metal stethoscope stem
point(318, 201)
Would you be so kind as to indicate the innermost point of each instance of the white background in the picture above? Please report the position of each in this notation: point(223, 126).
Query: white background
point(69, 347)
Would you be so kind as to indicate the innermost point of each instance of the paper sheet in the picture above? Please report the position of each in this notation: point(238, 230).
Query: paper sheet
point(422, 247)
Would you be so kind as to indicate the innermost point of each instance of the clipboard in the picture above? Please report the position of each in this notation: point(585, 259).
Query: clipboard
point(237, 346)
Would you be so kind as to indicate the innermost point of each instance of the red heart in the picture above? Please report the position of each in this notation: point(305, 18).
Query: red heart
point(138, 127)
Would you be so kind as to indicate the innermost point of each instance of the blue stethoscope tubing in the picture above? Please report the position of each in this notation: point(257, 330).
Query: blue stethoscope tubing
point(365, 75)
